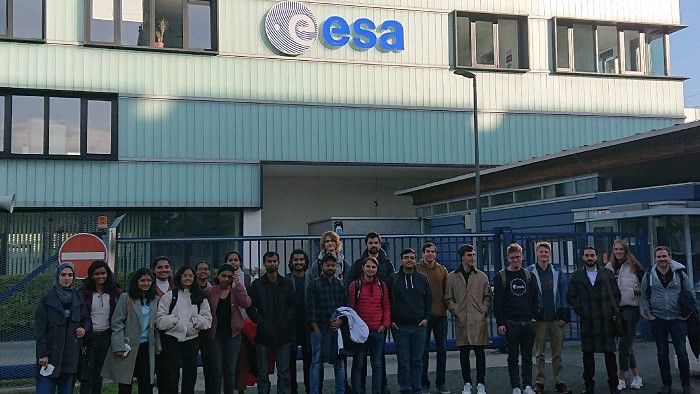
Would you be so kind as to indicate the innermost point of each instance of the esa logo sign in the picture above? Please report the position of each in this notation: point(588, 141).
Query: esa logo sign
point(292, 29)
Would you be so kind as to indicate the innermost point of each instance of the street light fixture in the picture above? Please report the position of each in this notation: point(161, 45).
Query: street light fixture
point(477, 172)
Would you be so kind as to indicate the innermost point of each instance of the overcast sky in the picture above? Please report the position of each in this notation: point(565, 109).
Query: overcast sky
point(685, 51)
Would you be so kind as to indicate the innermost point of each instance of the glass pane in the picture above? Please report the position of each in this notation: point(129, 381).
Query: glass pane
point(99, 127)
point(484, 43)
point(584, 58)
point(2, 123)
point(508, 45)
point(501, 199)
point(632, 51)
point(439, 209)
point(528, 195)
point(695, 248)
point(135, 22)
point(586, 186)
point(464, 43)
point(64, 126)
point(608, 51)
point(27, 125)
point(199, 15)
point(564, 189)
point(168, 29)
point(102, 21)
point(3, 17)
point(563, 47)
point(656, 55)
point(457, 206)
point(27, 19)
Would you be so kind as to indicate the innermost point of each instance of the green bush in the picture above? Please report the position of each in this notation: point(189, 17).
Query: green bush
point(17, 312)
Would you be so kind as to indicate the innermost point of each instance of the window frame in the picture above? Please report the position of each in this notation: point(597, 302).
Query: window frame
point(10, 24)
point(473, 17)
point(641, 28)
point(116, 43)
point(46, 95)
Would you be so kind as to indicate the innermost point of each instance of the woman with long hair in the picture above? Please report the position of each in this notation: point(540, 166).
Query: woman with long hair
point(100, 292)
point(226, 298)
point(182, 313)
point(628, 272)
point(61, 322)
point(330, 243)
point(135, 339)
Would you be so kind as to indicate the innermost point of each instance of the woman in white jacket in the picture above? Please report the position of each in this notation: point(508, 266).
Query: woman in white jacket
point(182, 313)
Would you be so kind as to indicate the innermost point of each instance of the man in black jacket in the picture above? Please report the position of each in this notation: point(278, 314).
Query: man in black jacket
point(273, 306)
point(411, 305)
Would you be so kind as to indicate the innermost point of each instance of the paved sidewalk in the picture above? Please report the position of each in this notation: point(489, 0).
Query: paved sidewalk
point(497, 381)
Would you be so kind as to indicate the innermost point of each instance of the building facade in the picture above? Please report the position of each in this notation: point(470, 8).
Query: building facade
point(207, 117)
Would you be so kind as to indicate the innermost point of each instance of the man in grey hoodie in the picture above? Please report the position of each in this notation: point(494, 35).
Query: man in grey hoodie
point(661, 286)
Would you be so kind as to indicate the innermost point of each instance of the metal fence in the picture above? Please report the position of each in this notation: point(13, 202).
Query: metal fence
point(20, 293)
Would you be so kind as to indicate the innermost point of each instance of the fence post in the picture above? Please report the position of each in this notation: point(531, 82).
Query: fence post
point(112, 243)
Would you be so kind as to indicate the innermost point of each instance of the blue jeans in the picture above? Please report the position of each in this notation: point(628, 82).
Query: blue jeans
point(438, 325)
point(409, 341)
point(63, 384)
point(678, 329)
point(222, 355)
point(317, 365)
point(375, 346)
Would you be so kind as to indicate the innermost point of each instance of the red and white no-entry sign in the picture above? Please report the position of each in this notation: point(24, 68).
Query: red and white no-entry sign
point(81, 250)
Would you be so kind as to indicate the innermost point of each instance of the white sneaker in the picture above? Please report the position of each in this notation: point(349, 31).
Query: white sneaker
point(636, 383)
point(467, 388)
point(480, 388)
point(621, 385)
point(517, 391)
point(528, 390)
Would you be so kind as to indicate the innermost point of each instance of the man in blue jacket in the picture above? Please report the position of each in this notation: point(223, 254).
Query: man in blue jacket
point(552, 315)
point(411, 304)
point(661, 286)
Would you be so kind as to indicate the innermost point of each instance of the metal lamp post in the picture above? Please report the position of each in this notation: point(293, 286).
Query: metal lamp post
point(477, 172)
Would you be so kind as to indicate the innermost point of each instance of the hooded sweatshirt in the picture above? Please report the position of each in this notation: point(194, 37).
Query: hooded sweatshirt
point(660, 301)
point(411, 298)
point(437, 277)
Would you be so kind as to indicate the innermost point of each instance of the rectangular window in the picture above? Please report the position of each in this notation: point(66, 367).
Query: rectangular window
point(656, 52)
point(175, 24)
point(57, 125)
point(584, 48)
point(64, 126)
point(502, 199)
point(608, 52)
point(22, 19)
point(611, 49)
point(633, 50)
point(485, 40)
point(531, 194)
point(563, 47)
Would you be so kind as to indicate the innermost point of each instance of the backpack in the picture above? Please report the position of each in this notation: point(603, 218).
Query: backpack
point(174, 301)
point(502, 273)
point(358, 287)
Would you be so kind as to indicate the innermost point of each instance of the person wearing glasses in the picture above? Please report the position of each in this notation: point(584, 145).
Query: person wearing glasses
point(330, 243)
point(100, 292)
point(61, 322)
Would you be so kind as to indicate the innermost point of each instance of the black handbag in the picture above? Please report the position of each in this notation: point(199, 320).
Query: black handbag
point(619, 321)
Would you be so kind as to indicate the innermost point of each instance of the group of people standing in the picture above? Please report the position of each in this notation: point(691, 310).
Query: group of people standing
point(330, 309)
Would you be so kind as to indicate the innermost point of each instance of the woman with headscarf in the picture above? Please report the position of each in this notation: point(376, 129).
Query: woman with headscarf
point(135, 339)
point(100, 293)
point(61, 322)
point(226, 298)
point(182, 313)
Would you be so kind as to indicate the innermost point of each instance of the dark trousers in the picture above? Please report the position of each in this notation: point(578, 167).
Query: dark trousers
point(589, 369)
point(626, 358)
point(222, 355)
point(374, 347)
point(204, 346)
point(438, 326)
point(142, 371)
point(176, 354)
point(63, 384)
point(281, 352)
point(465, 364)
point(678, 329)
point(521, 338)
point(303, 340)
point(97, 347)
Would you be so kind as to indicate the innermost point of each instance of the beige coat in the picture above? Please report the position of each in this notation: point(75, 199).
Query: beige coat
point(469, 305)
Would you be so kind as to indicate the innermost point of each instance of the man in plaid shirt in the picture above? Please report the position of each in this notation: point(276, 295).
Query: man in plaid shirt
point(323, 296)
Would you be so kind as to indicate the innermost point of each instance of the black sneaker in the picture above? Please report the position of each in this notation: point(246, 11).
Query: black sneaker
point(562, 388)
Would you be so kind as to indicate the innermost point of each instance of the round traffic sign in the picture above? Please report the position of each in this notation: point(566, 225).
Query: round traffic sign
point(81, 250)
